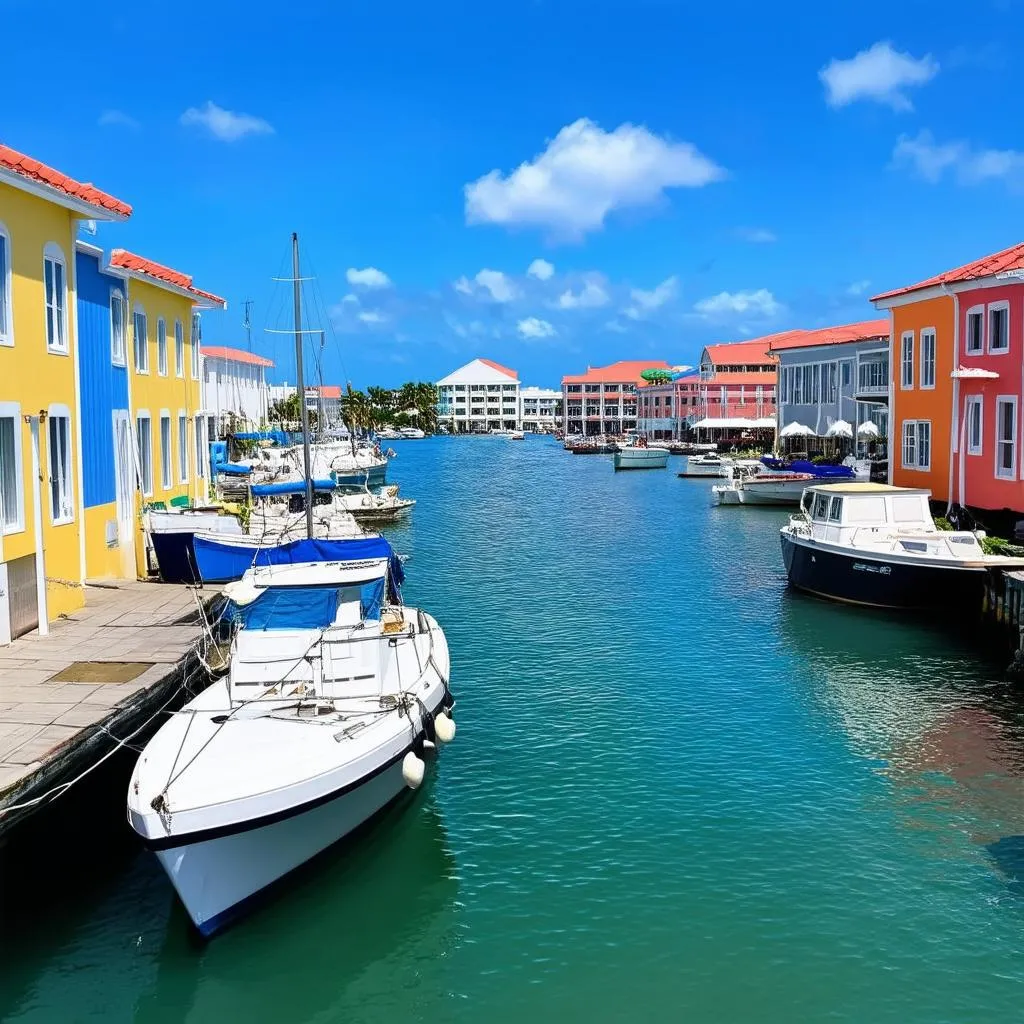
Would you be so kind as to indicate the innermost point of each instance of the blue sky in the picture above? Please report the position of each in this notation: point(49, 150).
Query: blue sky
point(682, 175)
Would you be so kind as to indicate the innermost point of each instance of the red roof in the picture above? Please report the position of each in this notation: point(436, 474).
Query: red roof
point(501, 369)
point(753, 351)
point(17, 162)
point(327, 391)
point(158, 272)
point(235, 355)
point(1008, 259)
point(833, 335)
point(626, 372)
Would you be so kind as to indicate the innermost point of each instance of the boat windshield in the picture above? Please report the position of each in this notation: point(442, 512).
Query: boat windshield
point(305, 607)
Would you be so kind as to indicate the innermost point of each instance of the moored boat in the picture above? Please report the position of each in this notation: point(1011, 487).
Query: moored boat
point(171, 532)
point(707, 464)
point(636, 453)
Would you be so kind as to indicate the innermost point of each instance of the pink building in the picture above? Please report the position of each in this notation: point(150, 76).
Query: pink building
point(603, 400)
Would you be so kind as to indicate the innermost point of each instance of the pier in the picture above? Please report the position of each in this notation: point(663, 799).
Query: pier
point(101, 678)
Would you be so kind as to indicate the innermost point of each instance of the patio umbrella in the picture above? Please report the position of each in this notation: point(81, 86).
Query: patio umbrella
point(795, 430)
point(839, 429)
point(868, 429)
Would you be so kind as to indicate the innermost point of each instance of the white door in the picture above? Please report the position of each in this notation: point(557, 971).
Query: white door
point(124, 472)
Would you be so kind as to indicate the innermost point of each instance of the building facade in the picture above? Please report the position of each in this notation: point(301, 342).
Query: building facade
point(835, 374)
point(604, 399)
point(666, 411)
point(479, 397)
point(42, 535)
point(234, 392)
point(540, 409)
point(957, 392)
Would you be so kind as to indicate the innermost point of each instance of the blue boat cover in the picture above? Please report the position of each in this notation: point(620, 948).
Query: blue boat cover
point(819, 470)
point(290, 487)
point(231, 468)
point(302, 607)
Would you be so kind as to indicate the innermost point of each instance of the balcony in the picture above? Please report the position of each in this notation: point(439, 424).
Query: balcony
point(873, 378)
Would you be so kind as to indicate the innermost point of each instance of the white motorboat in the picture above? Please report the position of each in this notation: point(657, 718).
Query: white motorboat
point(517, 435)
point(875, 544)
point(636, 453)
point(410, 433)
point(708, 464)
point(757, 486)
point(336, 698)
point(382, 506)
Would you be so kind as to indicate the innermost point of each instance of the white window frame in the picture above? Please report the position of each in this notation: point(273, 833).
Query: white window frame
point(138, 310)
point(1011, 473)
point(118, 355)
point(975, 402)
point(978, 311)
point(143, 414)
point(161, 347)
point(196, 333)
point(198, 428)
point(12, 410)
point(6, 289)
point(182, 447)
point(166, 452)
point(924, 425)
point(179, 349)
point(54, 254)
point(995, 307)
point(908, 430)
point(907, 361)
point(928, 332)
point(57, 516)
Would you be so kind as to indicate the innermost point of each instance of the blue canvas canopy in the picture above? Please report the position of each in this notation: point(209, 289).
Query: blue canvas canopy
point(290, 487)
point(303, 607)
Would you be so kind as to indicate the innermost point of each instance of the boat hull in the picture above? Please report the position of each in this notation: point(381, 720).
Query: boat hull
point(175, 558)
point(871, 579)
point(698, 469)
point(766, 491)
point(641, 458)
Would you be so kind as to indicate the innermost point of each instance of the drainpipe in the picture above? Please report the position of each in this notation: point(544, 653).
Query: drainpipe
point(37, 523)
point(954, 447)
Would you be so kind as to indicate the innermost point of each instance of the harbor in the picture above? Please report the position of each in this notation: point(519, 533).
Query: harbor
point(785, 787)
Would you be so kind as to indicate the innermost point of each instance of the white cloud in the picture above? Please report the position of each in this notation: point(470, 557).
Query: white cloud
point(117, 119)
point(879, 73)
point(368, 277)
point(614, 325)
point(499, 286)
point(759, 236)
point(225, 125)
point(351, 298)
point(463, 286)
point(646, 301)
point(371, 316)
point(930, 160)
point(541, 269)
point(760, 303)
point(858, 287)
point(531, 327)
point(584, 174)
point(590, 296)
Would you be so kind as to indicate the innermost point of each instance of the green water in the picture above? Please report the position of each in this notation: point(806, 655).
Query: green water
point(678, 792)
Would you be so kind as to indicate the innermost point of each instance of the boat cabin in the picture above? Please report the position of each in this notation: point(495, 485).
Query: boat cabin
point(836, 511)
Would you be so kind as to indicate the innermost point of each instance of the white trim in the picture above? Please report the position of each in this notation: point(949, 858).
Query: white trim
point(7, 288)
point(139, 310)
point(55, 412)
point(53, 253)
point(198, 301)
point(179, 349)
point(161, 350)
point(927, 331)
point(995, 307)
point(166, 454)
point(971, 402)
point(76, 445)
point(118, 295)
point(978, 310)
point(904, 362)
point(12, 410)
point(182, 438)
point(195, 338)
point(58, 197)
point(915, 433)
point(1010, 474)
point(143, 414)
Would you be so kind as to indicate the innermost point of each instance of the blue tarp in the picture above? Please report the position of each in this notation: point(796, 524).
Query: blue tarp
point(303, 607)
point(290, 487)
point(822, 472)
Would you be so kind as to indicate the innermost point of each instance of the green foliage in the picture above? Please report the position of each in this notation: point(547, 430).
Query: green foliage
point(288, 412)
point(414, 403)
point(998, 546)
point(942, 523)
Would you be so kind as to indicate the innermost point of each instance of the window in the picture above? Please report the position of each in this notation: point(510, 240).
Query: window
point(161, 347)
point(975, 341)
point(182, 448)
point(144, 437)
point(907, 360)
point(999, 327)
point(974, 414)
point(165, 450)
point(200, 461)
point(928, 357)
point(55, 283)
point(179, 349)
point(117, 315)
point(820, 511)
point(832, 375)
point(816, 382)
point(1006, 437)
point(924, 444)
point(12, 494)
point(845, 373)
point(140, 329)
point(835, 512)
point(6, 326)
point(58, 421)
point(197, 341)
point(909, 444)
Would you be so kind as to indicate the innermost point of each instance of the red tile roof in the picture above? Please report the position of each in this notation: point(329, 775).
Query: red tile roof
point(1008, 259)
point(626, 372)
point(235, 355)
point(501, 369)
point(327, 391)
point(158, 272)
point(833, 335)
point(33, 170)
point(753, 351)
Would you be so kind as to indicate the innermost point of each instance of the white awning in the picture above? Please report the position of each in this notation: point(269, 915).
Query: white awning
point(795, 429)
point(734, 423)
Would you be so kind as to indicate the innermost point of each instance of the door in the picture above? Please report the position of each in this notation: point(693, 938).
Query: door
point(124, 473)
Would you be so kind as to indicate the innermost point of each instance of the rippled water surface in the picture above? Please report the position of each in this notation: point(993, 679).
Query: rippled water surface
point(678, 792)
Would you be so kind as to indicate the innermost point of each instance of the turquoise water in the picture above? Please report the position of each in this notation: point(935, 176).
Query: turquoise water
point(678, 792)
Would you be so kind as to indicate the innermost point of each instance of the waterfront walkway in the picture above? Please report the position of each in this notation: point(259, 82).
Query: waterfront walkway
point(67, 697)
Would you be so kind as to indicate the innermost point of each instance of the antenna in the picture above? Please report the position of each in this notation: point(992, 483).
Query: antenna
point(247, 324)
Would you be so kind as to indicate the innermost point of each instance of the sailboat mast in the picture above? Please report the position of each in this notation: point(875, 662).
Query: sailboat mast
point(301, 383)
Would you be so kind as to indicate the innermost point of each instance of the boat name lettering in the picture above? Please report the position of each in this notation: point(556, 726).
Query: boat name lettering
point(882, 570)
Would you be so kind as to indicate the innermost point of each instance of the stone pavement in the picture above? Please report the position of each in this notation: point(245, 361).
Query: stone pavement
point(41, 722)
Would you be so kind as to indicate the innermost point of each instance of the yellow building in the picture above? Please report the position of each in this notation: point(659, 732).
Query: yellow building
point(163, 312)
point(42, 540)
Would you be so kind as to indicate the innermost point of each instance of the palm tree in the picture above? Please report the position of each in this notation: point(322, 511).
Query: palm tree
point(356, 409)
point(382, 400)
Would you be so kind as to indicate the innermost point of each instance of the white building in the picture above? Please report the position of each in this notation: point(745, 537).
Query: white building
point(235, 386)
point(326, 399)
point(478, 397)
point(539, 408)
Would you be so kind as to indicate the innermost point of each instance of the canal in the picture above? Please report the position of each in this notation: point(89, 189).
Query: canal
point(678, 792)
